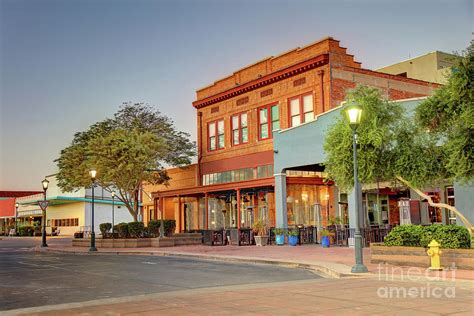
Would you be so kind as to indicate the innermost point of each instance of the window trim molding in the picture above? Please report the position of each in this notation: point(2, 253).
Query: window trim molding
point(239, 115)
point(269, 119)
point(216, 135)
point(301, 114)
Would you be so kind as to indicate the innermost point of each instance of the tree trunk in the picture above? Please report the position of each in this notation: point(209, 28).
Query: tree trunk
point(136, 207)
point(442, 205)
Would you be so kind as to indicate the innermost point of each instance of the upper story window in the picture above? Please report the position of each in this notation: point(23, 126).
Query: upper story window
point(239, 129)
point(268, 120)
point(216, 135)
point(301, 109)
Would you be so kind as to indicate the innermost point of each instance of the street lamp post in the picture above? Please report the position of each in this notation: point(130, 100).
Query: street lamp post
point(354, 113)
point(93, 174)
point(113, 215)
point(45, 184)
point(16, 217)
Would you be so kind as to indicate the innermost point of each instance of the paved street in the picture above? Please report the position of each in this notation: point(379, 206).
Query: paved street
point(36, 279)
point(49, 283)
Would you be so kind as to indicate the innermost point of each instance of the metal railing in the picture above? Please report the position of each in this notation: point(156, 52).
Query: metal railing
point(374, 234)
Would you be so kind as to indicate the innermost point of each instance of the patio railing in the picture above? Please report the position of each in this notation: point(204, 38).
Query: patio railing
point(341, 235)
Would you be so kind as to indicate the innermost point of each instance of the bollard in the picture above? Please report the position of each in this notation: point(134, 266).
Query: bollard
point(434, 252)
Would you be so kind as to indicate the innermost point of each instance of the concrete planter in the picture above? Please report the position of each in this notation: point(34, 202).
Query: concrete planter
point(187, 239)
point(416, 256)
point(261, 240)
point(113, 243)
point(176, 240)
point(162, 242)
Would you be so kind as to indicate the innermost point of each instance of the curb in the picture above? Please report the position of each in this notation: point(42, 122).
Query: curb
point(320, 269)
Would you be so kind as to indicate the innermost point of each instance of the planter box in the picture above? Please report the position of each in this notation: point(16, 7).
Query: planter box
point(162, 242)
point(179, 239)
point(113, 243)
point(416, 256)
point(187, 239)
point(261, 240)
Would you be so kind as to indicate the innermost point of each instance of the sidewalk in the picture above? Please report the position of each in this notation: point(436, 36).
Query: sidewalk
point(335, 262)
point(308, 297)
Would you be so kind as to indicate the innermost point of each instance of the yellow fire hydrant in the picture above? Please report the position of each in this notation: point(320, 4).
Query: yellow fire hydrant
point(434, 252)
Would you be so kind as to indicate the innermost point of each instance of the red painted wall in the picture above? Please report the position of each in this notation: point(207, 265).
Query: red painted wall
point(7, 207)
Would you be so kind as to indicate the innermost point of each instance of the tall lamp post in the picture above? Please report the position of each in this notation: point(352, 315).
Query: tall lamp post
point(354, 114)
point(113, 210)
point(93, 174)
point(45, 184)
point(16, 217)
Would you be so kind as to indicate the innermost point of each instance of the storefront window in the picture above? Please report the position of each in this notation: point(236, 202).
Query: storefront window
point(450, 200)
point(376, 208)
point(309, 205)
point(435, 213)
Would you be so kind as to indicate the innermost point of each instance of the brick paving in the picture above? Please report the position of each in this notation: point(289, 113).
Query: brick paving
point(347, 296)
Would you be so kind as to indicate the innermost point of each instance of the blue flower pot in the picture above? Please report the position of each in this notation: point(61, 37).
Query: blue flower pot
point(292, 240)
point(325, 241)
point(280, 240)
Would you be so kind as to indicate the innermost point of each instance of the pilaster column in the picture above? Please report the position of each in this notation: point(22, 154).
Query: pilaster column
point(281, 212)
point(321, 84)
point(238, 208)
point(206, 209)
point(351, 199)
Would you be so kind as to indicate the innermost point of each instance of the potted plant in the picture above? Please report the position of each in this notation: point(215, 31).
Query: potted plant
point(326, 238)
point(279, 236)
point(260, 230)
point(293, 237)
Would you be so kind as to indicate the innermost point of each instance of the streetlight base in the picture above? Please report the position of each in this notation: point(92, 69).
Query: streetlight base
point(359, 268)
point(92, 249)
point(44, 245)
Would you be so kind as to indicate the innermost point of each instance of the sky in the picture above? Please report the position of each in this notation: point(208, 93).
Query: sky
point(66, 64)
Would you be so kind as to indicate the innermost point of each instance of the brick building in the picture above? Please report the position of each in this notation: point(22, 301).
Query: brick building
point(232, 183)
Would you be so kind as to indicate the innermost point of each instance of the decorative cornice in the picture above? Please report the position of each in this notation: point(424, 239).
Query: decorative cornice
point(265, 80)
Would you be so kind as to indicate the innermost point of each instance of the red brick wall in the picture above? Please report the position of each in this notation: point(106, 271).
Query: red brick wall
point(392, 87)
point(400, 95)
point(339, 89)
point(273, 64)
point(281, 92)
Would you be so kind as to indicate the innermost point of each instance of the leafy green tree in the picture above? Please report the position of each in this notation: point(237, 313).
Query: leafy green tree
point(434, 146)
point(389, 145)
point(133, 147)
point(449, 114)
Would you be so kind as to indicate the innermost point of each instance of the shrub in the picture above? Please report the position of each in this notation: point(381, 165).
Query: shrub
point(122, 230)
point(136, 229)
point(105, 228)
point(154, 228)
point(37, 228)
point(170, 225)
point(449, 236)
point(405, 235)
point(293, 232)
point(260, 228)
point(279, 231)
point(26, 230)
point(326, 233)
